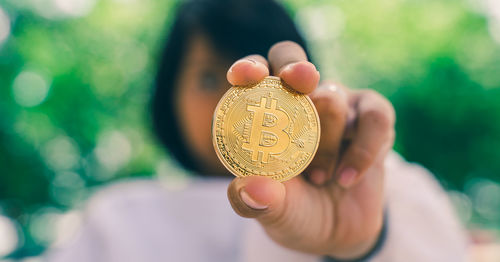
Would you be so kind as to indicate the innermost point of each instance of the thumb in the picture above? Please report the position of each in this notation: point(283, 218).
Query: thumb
point(256, 197)
point(294, 213)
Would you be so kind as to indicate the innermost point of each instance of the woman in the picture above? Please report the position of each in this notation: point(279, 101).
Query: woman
point(356, 201)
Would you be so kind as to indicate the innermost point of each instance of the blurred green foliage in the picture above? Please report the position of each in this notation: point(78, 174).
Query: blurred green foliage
point(75, 83)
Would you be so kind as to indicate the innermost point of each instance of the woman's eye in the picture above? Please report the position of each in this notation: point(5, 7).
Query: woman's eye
point(209, 81)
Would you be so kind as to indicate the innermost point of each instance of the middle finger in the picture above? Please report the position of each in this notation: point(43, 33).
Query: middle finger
point(331, 103)
point(288, 60)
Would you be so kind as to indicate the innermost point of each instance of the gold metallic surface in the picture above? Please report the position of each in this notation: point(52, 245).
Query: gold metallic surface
point(265, 129)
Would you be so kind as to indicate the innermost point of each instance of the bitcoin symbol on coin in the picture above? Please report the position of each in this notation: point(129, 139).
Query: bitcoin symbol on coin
point(267, 135)
point(265, 129)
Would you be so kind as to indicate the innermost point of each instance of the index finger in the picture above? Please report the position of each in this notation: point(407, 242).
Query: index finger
point(288, 60)
point(248, 70)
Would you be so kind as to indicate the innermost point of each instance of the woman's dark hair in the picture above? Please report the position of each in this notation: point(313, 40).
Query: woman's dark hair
point(236, 28)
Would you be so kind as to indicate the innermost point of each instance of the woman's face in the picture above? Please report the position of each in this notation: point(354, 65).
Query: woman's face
point(202, 82)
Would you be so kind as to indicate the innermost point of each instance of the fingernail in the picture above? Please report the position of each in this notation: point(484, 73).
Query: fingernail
point(251, 60)
point(246, 60)
point(334, 88)
point(250, 202)
point(318, 176)
point(331, 87)
point(287, 68)
point(347, 177)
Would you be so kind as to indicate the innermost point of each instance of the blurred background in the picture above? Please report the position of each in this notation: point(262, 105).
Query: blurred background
point(76, 76)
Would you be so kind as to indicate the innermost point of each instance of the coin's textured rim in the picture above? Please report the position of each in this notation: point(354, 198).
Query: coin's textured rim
point(289, 89)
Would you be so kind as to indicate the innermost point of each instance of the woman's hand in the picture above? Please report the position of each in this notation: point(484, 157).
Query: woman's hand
point(337, 208)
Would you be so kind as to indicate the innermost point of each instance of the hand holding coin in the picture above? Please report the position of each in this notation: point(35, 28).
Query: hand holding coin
point(266, 129)
point(336, 207)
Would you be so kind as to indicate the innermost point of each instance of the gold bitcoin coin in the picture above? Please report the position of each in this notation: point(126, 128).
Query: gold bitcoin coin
point(266, 129)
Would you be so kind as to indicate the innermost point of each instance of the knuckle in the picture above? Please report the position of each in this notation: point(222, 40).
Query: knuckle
point(361, 155)
point(379, 118)
point(386, 112)
point(330, 105)
point(274, 220)
point(371, 94)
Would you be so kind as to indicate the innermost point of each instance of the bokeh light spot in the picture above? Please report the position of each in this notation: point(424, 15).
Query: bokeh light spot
point(486, 197)
point(68, 188)
point(62, 9)
point(4, 26)
point(66, 227)
point(113, 150)
point(30, 89)
point(74, 8)
point(43, 223)
point(321, 22)
point(8, 236)
point(171, 176)
point(61, 153)
point(462, 204)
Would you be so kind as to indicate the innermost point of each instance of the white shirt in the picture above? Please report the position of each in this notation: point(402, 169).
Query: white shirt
point(143, 220)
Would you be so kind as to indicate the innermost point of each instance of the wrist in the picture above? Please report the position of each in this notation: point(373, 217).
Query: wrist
point(364, 250)
point(356, 251)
